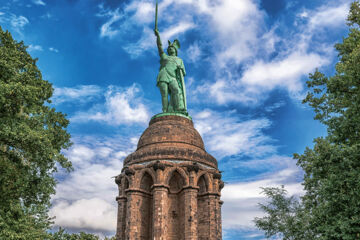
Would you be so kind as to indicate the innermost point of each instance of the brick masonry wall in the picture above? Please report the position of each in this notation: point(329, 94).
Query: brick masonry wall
point(171, 190)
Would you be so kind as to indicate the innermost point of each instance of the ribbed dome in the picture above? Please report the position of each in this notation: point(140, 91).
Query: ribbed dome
point(171, 138)
point(171, 129)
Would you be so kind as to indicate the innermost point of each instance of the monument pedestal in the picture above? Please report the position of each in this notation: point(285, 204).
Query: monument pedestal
point(169, 188)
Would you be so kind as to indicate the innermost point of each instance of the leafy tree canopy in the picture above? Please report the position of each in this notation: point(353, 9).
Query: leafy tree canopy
point(330, 208)
point(32, 135)
point(62, 235)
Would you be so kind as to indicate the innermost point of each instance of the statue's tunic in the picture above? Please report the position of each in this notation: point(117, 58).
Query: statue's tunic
point(168, 67)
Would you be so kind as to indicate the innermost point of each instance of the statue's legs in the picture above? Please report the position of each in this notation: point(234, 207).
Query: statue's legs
point(164, 90)
point(174, 94)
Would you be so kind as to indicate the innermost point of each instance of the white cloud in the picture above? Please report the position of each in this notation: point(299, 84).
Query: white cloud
point(107, 29)
point(85, 198)
point(140, 14)
point(53, 49)
point(32, 48)
point(176, 30)
point(271, 108)
point(143, 12)
point(93, 179)
point(241, 199)
point(328, 16)
point(238, 24)
point(226, 135)
point(122, 106)
point(194, 52)
point(94, 214)
point(81, 93)
point(297, 55)
point(47, 16)
point(39, 2)
point(148, 41)
point(284, 73)
point(18, 22)
point(225, 90)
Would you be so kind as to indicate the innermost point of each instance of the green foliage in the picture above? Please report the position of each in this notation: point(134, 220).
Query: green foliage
point(32, 134)
point(62, 235)
point(286, 218)
point(331, 202)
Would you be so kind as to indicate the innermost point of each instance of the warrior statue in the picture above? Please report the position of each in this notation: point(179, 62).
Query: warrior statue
point(170, 79)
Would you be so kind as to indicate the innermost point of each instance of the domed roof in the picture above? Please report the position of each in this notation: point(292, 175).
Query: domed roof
point(171, 137)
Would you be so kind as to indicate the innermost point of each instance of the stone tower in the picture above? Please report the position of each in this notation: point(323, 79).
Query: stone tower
point(169, 188)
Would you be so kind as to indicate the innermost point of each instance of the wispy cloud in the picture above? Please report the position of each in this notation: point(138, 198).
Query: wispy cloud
point(85, 214)
point(177, 29)
point(79, 94)
point(53, 49)
point(91, 186)
point(141, 11)
point(326, 16)
point(138, 14)
point(260, 72)
point(225, 134)
point(147, 41)
point(107, 29)
point(285, 73)
point(194, 52)
point(32, 48)
point(39, 2)
point(122, 106)
point(241, 199)
point(16, 22)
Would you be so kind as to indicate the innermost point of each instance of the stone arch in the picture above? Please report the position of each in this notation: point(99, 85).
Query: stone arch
point(169, 173)
point(126, 182)
point(146, 182)
point(176, 182)
point(141, 174)
point(207, 179)
point(201, 183)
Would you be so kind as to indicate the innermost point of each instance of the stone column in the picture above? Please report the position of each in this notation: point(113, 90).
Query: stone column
point(133, 214)
point(121, 200)
point(213, 216)
point(219, 220)
point(121, 221)
point(160, 197)
point(190, 197)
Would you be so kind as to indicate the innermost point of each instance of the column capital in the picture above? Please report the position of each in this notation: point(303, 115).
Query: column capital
point(191, 188)
point(160, 187)
point(119, 198)
point(158, 165)
point(194, 167)
point(136, 191)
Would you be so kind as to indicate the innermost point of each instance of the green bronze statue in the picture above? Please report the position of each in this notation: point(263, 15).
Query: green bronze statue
point(170, 79)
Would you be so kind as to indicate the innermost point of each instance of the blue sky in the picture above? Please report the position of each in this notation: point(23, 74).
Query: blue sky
point(247, 62)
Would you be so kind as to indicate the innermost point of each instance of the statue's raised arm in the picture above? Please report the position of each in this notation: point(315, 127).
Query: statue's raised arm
point(158, 42)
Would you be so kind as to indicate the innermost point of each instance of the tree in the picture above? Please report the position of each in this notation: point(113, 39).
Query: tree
point(331, 202)
point(286, 218)
point(62, 235)
point(32, 135)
